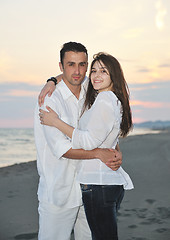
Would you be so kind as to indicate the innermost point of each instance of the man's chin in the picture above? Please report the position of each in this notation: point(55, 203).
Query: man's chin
point(77, 82)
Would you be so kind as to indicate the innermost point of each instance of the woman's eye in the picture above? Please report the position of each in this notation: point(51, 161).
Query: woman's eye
point(105, 71)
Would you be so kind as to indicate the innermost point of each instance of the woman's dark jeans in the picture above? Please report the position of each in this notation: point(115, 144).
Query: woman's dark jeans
point(101, 203)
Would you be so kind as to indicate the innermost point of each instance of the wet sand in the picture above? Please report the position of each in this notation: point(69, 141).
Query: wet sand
point(144, 213)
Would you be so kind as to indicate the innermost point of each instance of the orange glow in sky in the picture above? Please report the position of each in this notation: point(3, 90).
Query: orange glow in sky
point(135, 32)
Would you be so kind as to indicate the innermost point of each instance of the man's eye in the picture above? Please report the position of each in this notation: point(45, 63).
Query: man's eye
point(82, 64)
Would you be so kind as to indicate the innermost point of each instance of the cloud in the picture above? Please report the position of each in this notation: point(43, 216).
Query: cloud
point(21, 93)
point(5, 88)
point(151, 92)
point(153, 71)
point(164, 65)
point(18, 101)
point(161, 12)
point(145, 70)
point(151, 105)
point(150, 101)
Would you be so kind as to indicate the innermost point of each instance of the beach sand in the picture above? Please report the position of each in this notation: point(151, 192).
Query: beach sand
point(144, 213)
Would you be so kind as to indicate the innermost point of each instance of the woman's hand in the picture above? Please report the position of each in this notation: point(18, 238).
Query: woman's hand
point(51, 119)
point(47, 89)
point(48, 118)
point(111, 157)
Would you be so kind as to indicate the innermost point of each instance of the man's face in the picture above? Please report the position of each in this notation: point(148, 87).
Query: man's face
point(74, 67)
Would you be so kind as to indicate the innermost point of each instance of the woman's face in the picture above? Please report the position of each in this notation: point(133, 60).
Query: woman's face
point(100, 77)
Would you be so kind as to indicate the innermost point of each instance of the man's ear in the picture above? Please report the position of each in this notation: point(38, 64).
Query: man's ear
point(87, 66)
point(61, 66)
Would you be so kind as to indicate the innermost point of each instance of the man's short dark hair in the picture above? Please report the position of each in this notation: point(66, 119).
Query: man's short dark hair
point(72, 46)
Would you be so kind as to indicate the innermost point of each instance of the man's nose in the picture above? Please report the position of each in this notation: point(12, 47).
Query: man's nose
point(77, 70)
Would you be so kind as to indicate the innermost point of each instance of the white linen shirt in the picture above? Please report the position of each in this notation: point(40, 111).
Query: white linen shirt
point(57, 183)
point(99, 127)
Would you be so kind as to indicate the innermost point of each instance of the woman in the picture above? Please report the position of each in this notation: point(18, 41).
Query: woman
point(106, 116)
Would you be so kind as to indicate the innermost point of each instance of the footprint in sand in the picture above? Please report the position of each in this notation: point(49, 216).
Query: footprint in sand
point(161, 230)
point(137, 238)
point(150, 201)
point(132, 226)
point(26, 236)
point(163, 212)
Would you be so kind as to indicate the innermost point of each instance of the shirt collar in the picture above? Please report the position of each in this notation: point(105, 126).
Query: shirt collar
point(83, 88)
point(66, 92)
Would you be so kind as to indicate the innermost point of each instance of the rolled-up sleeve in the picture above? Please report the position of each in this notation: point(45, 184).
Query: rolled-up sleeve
point(58, 143)
point(100, 124)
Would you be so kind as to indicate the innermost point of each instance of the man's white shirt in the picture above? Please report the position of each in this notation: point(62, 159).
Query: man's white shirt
point(57, 183)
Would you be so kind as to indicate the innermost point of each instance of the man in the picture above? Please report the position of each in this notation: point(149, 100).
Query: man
point(59, 194)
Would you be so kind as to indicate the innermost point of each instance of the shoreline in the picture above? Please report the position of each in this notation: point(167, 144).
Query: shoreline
point(9, 158)
point(144, 212)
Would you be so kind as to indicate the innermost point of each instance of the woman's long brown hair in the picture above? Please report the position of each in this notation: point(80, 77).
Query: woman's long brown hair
point(120, 89)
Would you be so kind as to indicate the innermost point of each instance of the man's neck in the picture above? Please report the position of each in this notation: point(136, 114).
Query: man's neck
point(75, 89)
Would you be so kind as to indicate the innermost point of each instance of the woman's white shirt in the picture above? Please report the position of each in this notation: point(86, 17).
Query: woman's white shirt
point(99, 127)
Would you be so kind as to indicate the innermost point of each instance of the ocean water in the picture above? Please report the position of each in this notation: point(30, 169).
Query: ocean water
point(17, 145)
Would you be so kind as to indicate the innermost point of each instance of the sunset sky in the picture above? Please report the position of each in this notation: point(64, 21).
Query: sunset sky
point(136, 32)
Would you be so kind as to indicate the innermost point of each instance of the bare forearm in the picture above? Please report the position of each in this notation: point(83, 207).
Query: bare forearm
point(64, 127)
point(48, 89)
point(104, 154)
point(107, 156)
point(81, 154)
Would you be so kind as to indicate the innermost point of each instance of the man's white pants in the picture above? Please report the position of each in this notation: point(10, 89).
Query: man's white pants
point(57, 223)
